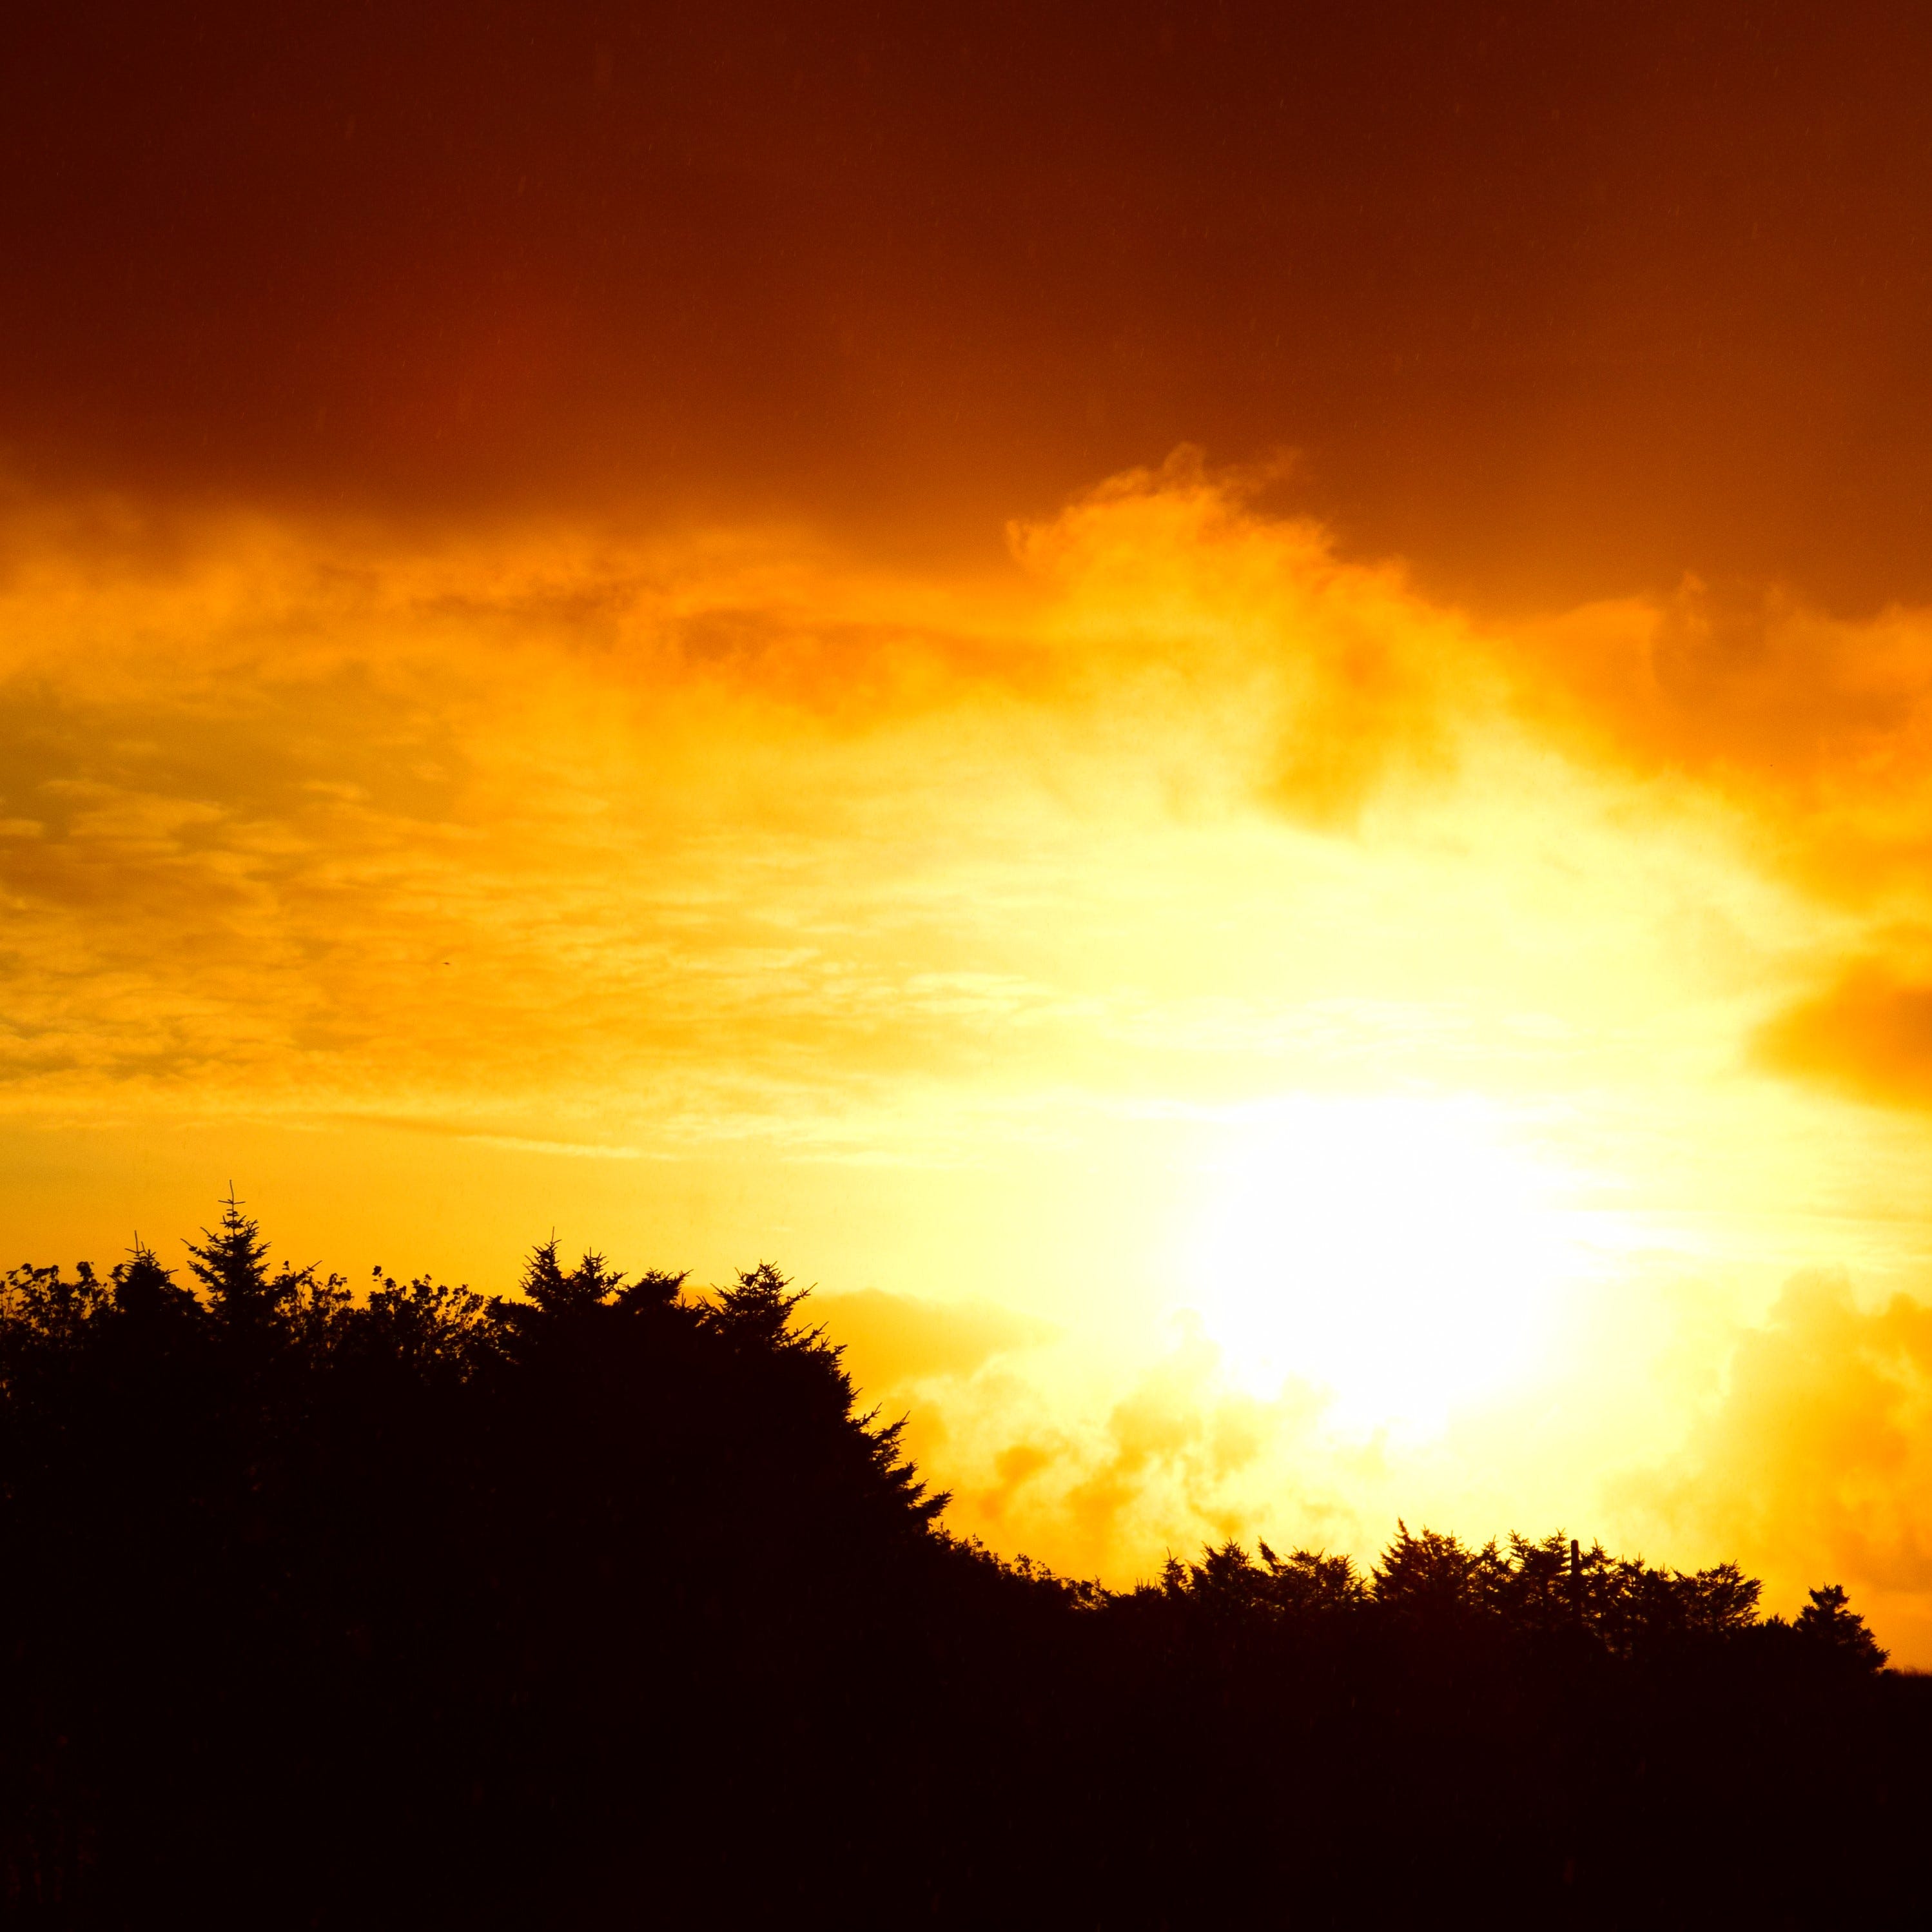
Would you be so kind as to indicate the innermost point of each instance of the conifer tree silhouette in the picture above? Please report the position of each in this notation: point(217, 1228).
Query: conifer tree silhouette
point(1828, 1621)
point(605, 1589)
point(558, 1291)
point(756, 1310)
point(231, 1264)
point(143, 1289)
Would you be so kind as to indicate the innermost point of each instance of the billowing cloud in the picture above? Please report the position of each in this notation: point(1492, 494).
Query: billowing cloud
point(1174, 1458)
point(1815, 1464)
point(1870, 1036)
point(1168, 577)
point(1818, 727)
point(951, 937)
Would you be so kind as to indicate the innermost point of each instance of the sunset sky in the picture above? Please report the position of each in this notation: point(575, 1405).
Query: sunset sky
point(1226, 711)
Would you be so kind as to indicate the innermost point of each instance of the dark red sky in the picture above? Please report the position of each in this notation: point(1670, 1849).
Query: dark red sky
point(1559, 300)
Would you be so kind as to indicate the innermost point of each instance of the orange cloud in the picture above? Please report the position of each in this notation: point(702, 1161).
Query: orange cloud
point(1816, 1463)
point(1749, 685)
point(1870, 1037)
point(1820, 727)
point(1173, 1458)
point(1255, 618)
point(288, 811)
point(972, 907)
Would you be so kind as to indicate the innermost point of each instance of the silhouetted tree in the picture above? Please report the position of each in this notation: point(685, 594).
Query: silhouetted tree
point(755, 1311)
point(1432, 1574)
point(556, 1291)
point(1828, 1621)
point(146, 1291)
point(609, 1592)
point(232, 1264)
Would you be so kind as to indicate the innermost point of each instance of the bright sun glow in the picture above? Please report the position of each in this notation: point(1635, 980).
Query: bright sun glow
point(1400, 1256)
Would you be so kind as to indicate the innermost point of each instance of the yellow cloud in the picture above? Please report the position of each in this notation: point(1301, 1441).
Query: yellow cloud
point(950, 933)
point(1816, 1466)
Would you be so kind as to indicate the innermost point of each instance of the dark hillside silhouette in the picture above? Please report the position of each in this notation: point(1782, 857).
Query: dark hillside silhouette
point(606, 1605)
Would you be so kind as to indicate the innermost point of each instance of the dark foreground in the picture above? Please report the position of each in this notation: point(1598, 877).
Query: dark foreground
point(604, 1608)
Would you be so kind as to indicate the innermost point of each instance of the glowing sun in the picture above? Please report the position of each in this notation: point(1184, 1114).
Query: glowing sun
point(1400, 1256)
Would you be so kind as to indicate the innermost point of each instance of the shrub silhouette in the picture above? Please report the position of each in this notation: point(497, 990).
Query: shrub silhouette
point(607, 1603)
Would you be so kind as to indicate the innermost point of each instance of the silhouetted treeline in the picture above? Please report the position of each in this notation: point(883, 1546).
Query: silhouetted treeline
point(604, 1605)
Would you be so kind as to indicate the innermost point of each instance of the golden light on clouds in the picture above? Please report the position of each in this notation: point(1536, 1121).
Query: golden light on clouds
point(1239, 1046)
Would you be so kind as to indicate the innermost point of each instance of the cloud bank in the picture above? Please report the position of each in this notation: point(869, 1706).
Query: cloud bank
point(960, 915)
